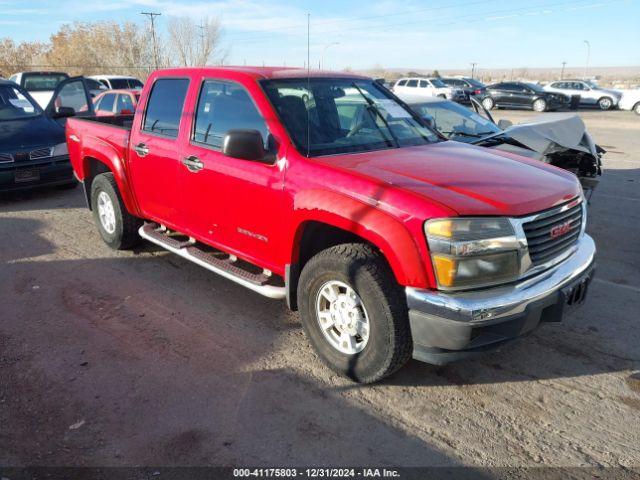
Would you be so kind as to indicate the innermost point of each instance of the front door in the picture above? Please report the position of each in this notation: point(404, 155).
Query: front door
point(233, 204)
point(71, 98)
point(154, 152)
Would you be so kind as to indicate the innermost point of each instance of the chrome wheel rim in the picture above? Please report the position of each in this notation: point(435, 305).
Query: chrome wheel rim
point(488, 104)
point(342, 317)
point(539, 105)
point(605, 104)
point(637, 109)
point(106, 213)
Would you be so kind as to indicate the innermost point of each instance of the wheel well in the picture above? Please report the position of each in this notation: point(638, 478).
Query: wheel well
point(93, 167)
point(315, 237)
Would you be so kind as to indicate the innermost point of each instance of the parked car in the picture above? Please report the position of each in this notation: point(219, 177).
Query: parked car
point(116, 102)
point(33, 150)
point(40, 85)
point(119, 82)
point(630, 101)
point(428, 87)
point(470, 86)
point(523, 95)
point(389, 240)
point(590, 93)
point(561, 140)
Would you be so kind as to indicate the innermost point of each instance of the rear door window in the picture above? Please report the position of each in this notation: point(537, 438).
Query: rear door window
point(164, 109)
point(412, 83)
point(423, 84)
point(225, 106)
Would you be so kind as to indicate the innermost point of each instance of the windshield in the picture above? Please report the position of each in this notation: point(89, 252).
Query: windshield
point(42, 82)
point(436, 82)
point(15, 105)
point(455, 121)
point(592, 84)
point(474, 83)
point(345, 116)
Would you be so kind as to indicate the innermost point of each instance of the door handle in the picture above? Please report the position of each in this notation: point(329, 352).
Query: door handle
point(141, 149)
point(193, 163)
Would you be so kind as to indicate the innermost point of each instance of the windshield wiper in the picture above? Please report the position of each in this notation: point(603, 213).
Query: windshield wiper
point(467, 134)
point(372, 106)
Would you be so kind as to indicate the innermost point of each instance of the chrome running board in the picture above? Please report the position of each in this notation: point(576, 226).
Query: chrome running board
point(214, 261)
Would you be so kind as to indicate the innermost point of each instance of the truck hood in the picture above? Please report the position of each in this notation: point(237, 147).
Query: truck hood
point(467, 179)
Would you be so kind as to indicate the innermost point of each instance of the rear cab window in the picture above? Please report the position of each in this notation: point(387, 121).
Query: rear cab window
point(164, 108)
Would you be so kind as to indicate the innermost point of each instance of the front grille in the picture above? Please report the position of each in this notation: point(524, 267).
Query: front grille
point(6, 158)
point(41, 153)
point(553, 233)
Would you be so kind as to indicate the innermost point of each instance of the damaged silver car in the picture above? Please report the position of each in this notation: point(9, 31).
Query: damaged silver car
point(559, 139)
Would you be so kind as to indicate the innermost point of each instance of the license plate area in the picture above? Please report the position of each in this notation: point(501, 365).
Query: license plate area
point(24, 175)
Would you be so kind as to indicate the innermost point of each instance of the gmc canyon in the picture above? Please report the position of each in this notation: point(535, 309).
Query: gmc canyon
point(327, 190)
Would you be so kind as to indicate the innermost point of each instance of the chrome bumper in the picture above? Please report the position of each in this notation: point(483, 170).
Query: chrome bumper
point(443, 322)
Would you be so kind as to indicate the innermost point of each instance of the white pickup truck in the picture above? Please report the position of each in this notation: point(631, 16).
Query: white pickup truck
point(40, 85)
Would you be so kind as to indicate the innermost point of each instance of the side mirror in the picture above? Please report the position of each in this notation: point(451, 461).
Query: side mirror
point(503, 124)
point(64, 112)
point(244, 144)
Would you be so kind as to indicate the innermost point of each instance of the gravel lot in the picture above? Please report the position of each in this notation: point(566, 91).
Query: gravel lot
point(140, 358)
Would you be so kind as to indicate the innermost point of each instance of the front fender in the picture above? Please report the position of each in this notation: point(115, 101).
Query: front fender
point(368, 221)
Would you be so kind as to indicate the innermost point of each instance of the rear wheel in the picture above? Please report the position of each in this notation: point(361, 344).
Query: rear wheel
point(117, 227)
point(354, 312)
point(636, 108)
point(539, 105)
point(488, 103)
point(605, 103)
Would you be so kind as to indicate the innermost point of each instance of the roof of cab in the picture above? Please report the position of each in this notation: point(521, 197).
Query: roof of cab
point(267, 73)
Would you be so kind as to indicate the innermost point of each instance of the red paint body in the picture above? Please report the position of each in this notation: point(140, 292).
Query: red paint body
point(384, 196)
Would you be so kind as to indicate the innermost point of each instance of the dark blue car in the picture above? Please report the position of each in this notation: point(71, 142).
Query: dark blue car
point(33, 150)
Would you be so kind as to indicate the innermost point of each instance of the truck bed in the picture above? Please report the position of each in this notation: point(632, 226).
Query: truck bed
point(104, 138)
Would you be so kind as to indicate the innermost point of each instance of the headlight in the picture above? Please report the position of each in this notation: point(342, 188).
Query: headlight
point(472, 252)
point(60, 149)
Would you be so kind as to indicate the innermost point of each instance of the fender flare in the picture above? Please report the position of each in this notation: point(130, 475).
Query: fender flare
point(366, 220)
point(94, 149)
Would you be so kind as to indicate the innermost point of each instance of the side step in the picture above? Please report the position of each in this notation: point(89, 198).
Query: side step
point(213, 260)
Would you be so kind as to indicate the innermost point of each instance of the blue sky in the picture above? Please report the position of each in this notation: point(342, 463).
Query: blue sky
point(362, 34)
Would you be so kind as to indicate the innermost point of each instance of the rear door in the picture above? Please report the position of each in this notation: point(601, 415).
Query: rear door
point(230, 202)
point(154, 151)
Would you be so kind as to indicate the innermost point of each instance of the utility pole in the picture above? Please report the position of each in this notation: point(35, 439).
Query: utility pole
point(473, 69)
point(562, 73)
point(152, 16)
point(586, 66)
point(202, 35)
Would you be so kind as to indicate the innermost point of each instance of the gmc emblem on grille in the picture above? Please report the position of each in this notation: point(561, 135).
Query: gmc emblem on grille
point(560, 230)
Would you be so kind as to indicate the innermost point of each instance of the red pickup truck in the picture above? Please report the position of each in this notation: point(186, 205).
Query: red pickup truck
point(326, 190)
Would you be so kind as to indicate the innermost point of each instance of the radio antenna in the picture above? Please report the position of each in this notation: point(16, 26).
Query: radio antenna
point(308, 82)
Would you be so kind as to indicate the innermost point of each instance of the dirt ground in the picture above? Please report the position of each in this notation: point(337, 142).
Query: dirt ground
point(140, 358)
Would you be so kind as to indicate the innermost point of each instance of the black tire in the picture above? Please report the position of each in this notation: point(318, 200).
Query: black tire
point(488, 103)
point(389, 344)
point(539, 105)
point(636, 108)
point(605, 103)
point(125, 234)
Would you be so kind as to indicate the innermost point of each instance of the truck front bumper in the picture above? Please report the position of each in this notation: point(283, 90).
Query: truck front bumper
point(450, 326)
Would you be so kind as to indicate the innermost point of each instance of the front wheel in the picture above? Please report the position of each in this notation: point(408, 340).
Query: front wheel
point(488, 103)
point(636, 108)
point(354, 312)
point(605, 103)
point(539, 105)
point(117, 227)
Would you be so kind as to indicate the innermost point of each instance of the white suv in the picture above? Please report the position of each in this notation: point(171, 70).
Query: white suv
point(590, 93)
point(428, 87)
